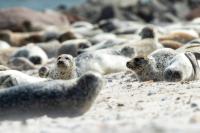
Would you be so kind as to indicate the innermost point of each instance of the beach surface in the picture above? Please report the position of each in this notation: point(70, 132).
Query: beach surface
point(126, 105)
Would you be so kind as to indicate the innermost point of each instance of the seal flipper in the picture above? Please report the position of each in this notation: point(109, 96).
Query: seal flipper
point(193, 59)
point(197, 55)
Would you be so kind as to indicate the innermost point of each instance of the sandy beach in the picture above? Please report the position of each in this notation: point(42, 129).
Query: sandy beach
point(126, 105)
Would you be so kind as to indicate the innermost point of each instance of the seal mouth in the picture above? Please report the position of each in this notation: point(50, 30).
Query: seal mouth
point(133, 67)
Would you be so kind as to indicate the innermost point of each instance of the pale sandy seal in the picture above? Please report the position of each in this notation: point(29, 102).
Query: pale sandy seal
point(4, 68)
point(148, 42)
point(57, 98)
point(64, 68)
point(104, 61)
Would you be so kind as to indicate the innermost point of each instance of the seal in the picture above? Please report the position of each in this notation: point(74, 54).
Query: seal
point(64, 68)
point(73, 46)
point(9, 78)
point(153, 66)
point(4, 45)
point(147, 44)
point(104, 61)
point(50, 47)
point(57, 98)
point(182, 36)
point(183, 67)
point(32, 52)
point(104, 45)
point(6, 54)
point(4, 68)
point(21, 64)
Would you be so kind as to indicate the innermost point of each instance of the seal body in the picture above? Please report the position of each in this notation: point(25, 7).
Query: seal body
point(104, 61)
point(32, 52)
point(64, 68)
point(153, 66)
point(11, 78)
point(56, 98)
point(183, 67)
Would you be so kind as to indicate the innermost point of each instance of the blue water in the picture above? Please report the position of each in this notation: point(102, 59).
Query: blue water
point(38, 4)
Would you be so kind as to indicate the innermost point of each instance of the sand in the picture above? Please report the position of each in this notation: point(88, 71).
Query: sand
point(126, 105)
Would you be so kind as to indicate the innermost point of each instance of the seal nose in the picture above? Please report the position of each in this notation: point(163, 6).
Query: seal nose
point(60, 62)
point(172, 75)
point(35, 60)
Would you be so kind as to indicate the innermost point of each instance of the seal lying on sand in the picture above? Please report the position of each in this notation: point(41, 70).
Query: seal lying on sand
point(21, 64)
point(11, 78)
point(104, 61)
point(64, 68)
point(73, 46)
point(183, 67)
point(166, 65)
point(147, 44)
point(58, 98)
point(153, 66)
point(34, 53)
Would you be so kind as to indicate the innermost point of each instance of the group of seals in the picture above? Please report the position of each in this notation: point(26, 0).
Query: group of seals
point(57, 72)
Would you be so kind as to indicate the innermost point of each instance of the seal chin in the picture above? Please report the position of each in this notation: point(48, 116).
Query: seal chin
point(172, 75)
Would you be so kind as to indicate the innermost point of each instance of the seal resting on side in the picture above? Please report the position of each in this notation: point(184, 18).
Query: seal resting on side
point(57, 98)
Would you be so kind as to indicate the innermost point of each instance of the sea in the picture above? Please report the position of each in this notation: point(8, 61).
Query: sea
point(39, 4)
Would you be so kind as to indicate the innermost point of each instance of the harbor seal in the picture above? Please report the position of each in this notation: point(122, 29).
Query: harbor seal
point(104, 61)
point(147, 44)
point(73, 46)
point(153, 66)
point(21, 64)
point(183, 67)
point(57, 98)
point(32, 52)
point(11, 78)
point(64, 68)
point(166, 65)
point(4, 45)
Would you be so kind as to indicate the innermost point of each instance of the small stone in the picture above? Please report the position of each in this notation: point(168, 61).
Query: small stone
point(120, 104)
point(193, 105)
point(178, 98)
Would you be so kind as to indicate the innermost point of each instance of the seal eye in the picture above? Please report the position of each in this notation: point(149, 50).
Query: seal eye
point(59, 58)
point(140, 61)
point(67, 58)
point(83, 46)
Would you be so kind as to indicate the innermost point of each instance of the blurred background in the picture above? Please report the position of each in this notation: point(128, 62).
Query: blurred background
point(38, 4)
